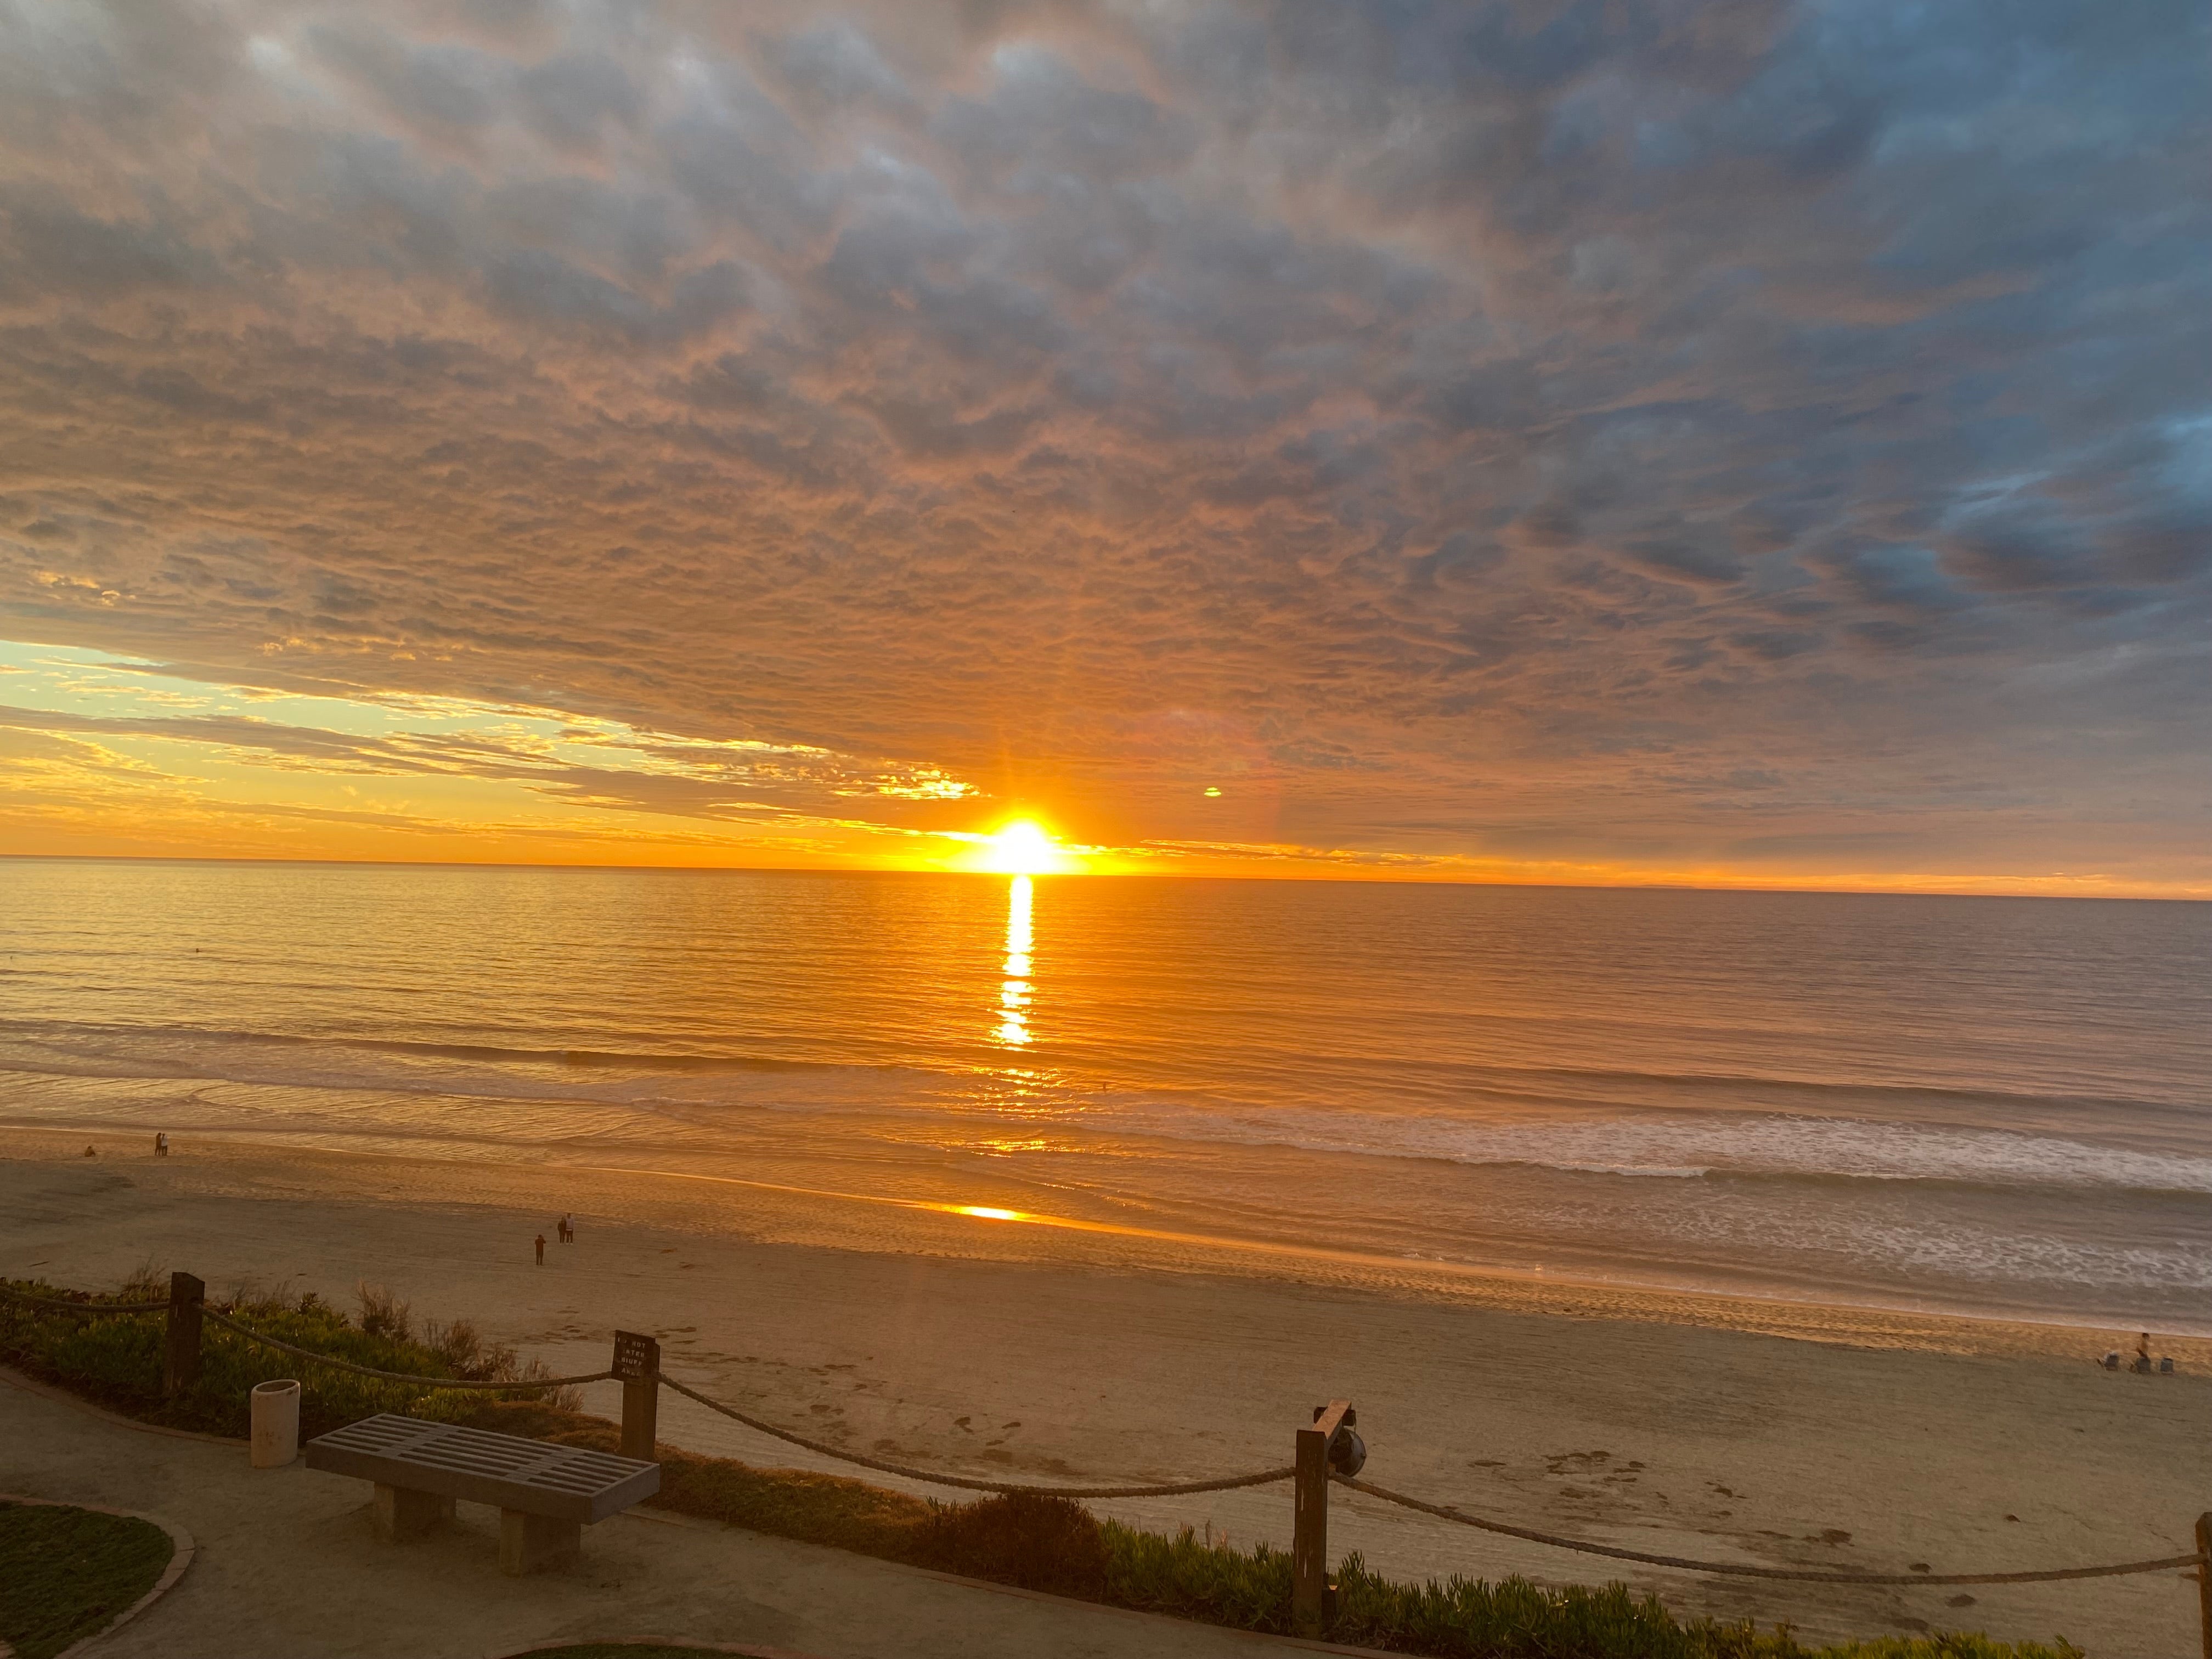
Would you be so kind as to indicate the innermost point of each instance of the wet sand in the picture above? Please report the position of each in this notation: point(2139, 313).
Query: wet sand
point(1837, 1439)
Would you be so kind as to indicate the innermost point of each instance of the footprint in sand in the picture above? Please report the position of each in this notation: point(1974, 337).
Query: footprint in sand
point(1576, 1462)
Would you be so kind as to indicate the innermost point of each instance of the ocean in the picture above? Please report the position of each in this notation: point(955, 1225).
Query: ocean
point(1986, 1106)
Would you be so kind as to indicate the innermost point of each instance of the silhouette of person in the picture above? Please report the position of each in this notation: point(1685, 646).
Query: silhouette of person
point(161, 1144)
point(2142, 1351)
point(541, 1249)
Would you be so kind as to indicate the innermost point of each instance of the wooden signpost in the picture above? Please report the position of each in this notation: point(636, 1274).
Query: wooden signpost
point(1311, 1611)
point(637, 1362)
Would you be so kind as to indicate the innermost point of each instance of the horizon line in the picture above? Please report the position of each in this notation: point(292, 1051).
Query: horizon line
point(1333, 879)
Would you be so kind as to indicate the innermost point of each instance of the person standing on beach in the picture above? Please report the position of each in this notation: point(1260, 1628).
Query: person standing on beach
point(161, 1144)
point(541, 1249)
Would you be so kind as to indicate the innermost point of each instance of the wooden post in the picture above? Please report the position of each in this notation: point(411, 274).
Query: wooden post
point(180, 1359)
point(1310, 1597)
point(637, 1362)
point(2204, 1579)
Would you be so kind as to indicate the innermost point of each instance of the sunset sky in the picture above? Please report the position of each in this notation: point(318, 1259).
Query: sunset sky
point(1714, 440)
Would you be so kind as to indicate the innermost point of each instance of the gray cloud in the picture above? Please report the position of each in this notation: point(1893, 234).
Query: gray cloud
point(1468, 405)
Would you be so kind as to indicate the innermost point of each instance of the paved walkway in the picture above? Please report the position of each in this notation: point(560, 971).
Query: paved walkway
point(287, 1570)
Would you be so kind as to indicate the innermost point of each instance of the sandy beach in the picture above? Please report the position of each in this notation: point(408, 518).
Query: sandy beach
point(1762, 1433)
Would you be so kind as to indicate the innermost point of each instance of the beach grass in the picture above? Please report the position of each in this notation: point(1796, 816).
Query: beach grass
point(1039, 1543)
point(65, 1573)
point(117, 1359)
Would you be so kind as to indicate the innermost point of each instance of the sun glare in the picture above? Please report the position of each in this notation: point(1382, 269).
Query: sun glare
point(1022, 847)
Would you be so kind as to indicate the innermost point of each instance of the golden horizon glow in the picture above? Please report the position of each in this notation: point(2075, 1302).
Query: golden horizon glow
point(107, 756)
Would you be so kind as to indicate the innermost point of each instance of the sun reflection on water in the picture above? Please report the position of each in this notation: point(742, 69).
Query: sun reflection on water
point(1014, 988)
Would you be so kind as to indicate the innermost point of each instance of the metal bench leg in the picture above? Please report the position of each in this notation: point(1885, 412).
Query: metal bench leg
point(533, 1543)
point(400, 1513)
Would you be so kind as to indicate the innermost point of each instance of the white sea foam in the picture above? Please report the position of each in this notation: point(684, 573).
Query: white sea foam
point(1685, 1146)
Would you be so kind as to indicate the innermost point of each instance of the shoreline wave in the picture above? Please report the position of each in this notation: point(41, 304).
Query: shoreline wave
point(1722, 1144)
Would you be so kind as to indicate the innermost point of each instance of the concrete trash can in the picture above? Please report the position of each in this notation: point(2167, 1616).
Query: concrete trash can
point(276, 1424)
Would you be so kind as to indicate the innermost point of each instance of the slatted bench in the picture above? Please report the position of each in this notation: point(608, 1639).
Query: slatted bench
point(546, 1495)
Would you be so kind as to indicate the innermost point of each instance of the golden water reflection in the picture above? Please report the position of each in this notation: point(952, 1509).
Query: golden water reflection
point(1014, 989)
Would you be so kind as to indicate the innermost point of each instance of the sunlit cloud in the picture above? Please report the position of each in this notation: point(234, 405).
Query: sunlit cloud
point(116, 738)
point(1761, 442)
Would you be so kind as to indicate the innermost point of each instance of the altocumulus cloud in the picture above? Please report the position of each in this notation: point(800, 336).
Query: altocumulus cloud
point(1729, 435)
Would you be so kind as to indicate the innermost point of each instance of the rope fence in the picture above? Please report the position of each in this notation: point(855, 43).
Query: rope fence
point(268, 1342)
point(1173, 1489)
point(1801, 1576)
point(638, 1369)
point(1445, 1512)
point(83, 1309)
point(206, 1313)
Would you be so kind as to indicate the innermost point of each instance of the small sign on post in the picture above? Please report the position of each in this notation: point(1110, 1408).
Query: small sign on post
point(180, 1356)
point(1311, 1613)
point(637, 1362)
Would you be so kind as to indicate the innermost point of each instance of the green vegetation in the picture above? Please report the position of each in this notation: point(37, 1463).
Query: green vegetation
point(1036, 1542)
point(65, 1573)
point(117, 1359)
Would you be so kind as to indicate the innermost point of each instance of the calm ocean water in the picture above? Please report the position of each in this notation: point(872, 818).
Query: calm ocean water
point(1984, 1105)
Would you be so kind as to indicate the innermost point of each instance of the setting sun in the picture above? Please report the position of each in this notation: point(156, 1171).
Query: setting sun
point(1024, 847)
